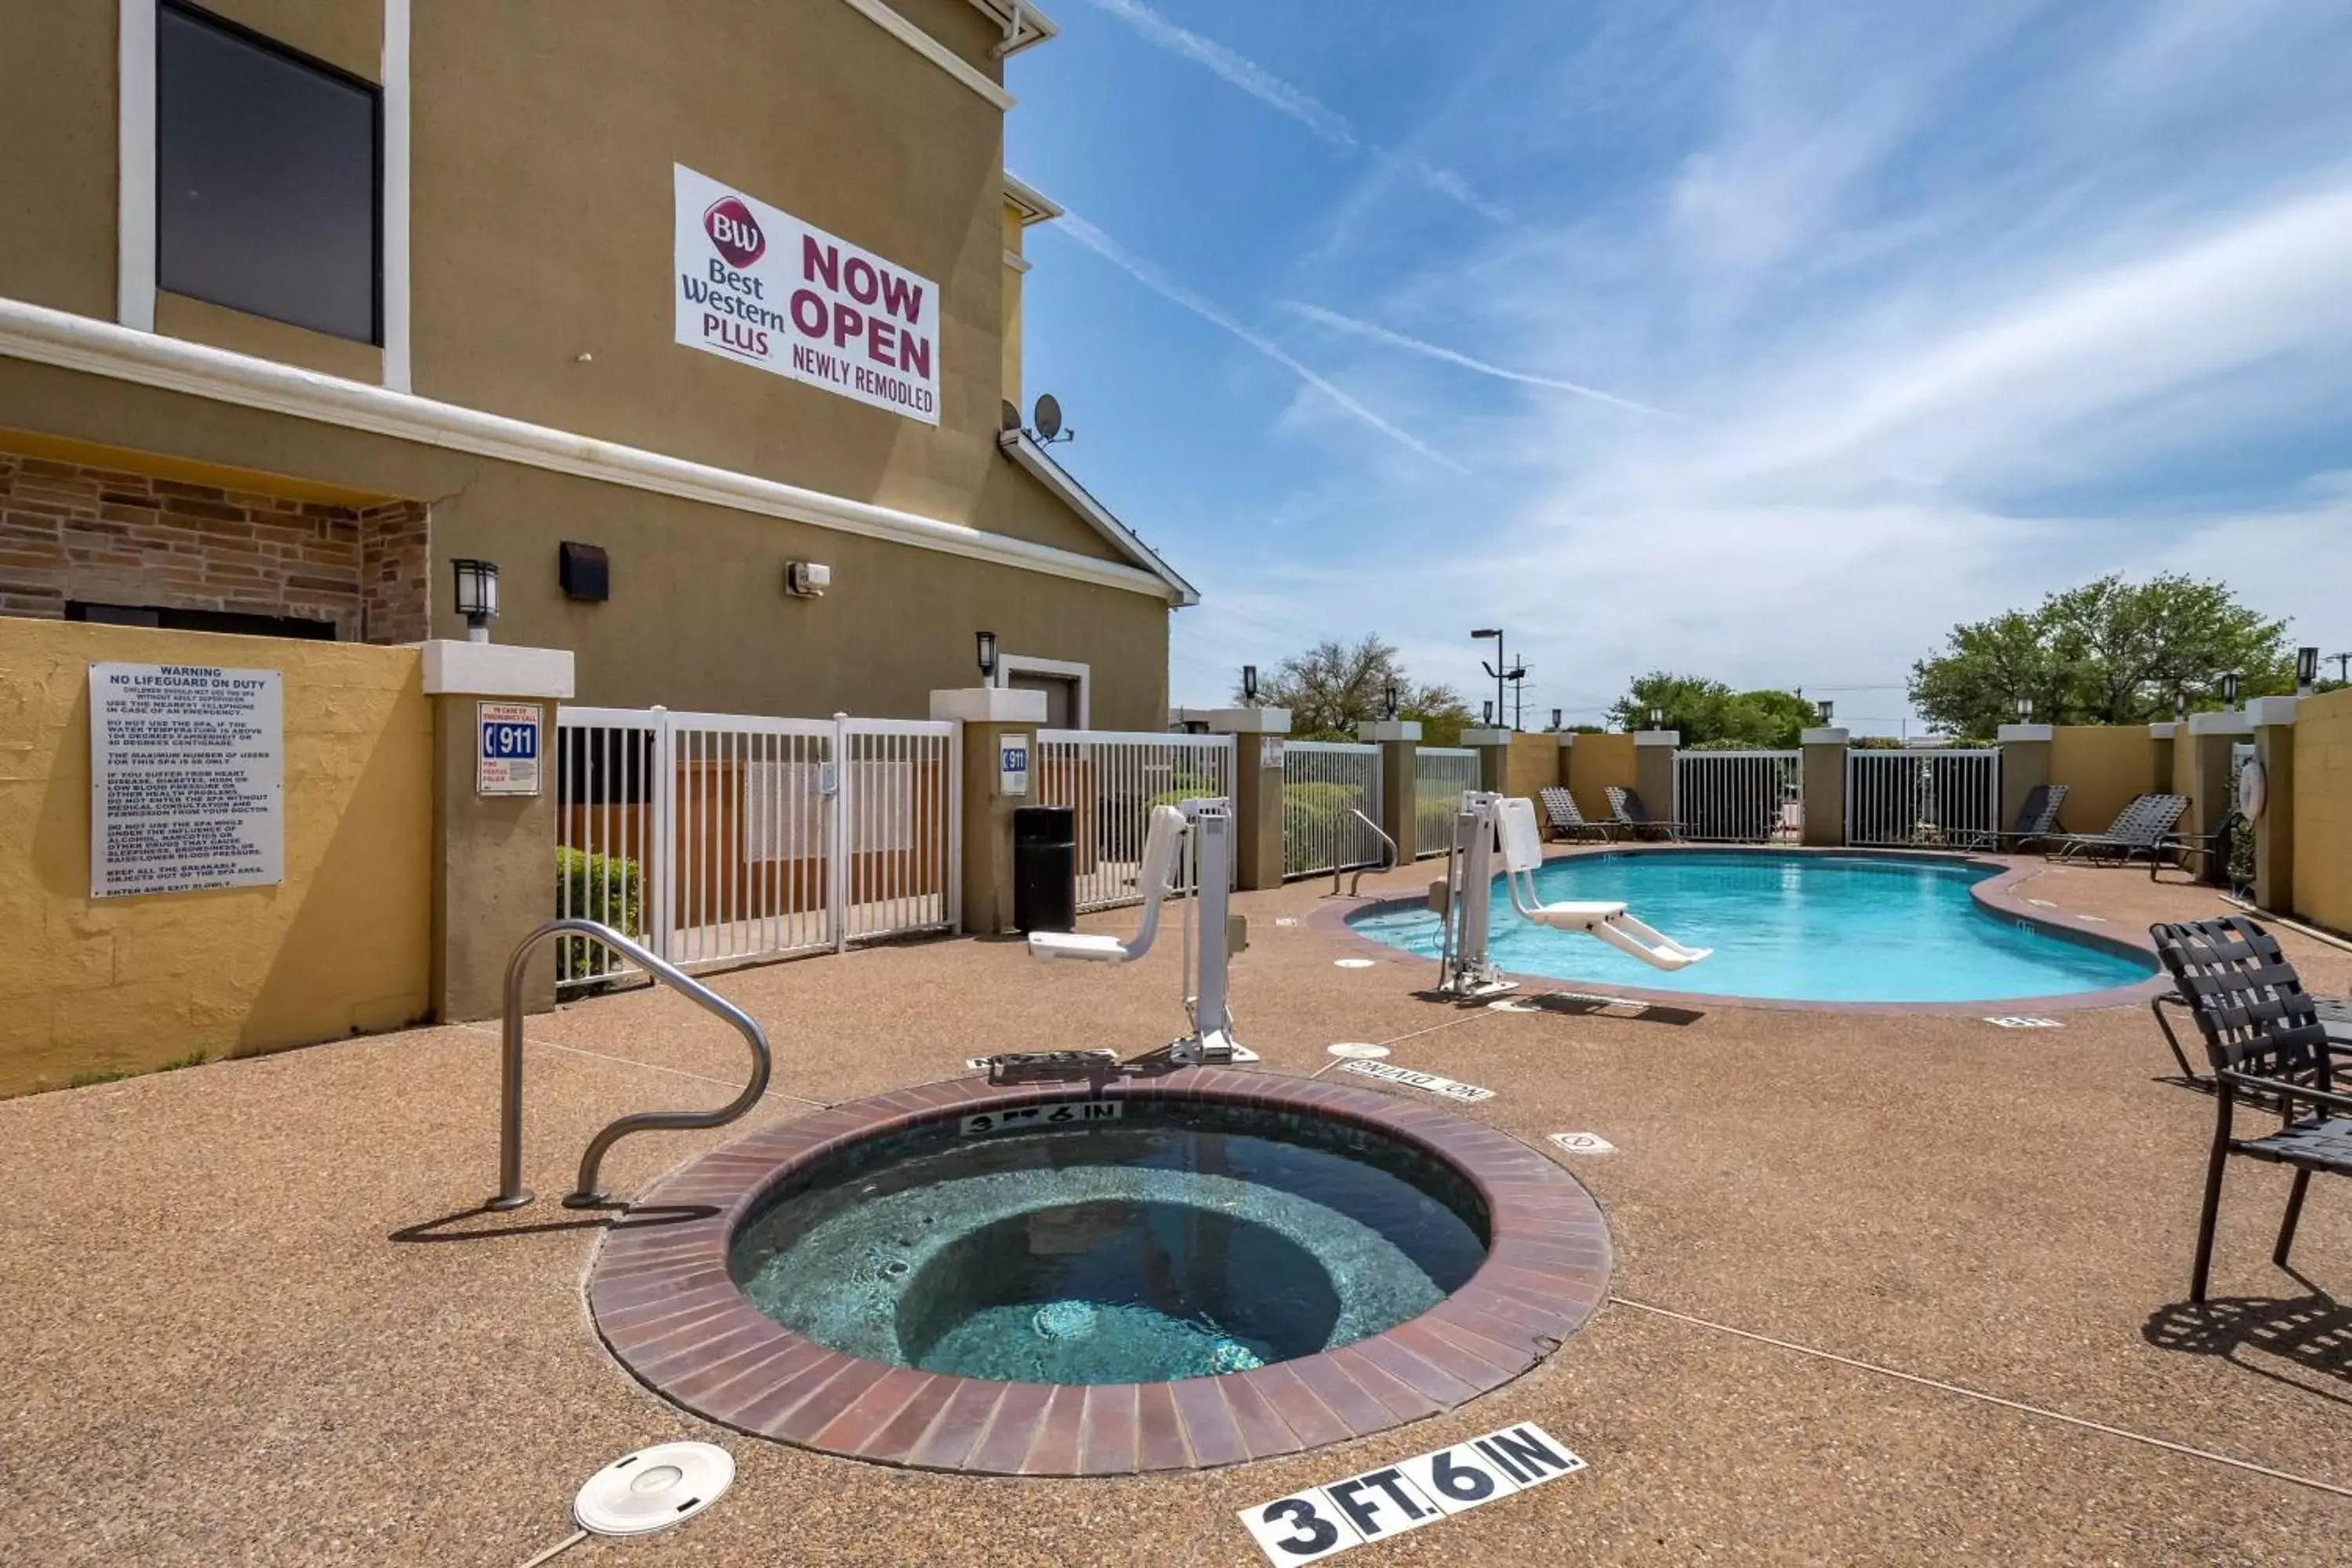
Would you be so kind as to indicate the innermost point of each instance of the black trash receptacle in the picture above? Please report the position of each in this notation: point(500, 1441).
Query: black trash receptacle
point(1044, 867)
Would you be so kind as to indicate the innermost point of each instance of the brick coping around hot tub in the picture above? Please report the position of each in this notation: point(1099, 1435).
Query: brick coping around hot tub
point(663, 1300)
point(1997, 894)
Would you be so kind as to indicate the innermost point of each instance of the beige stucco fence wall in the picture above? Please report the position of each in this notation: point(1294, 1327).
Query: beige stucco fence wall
point(2323, 809)
point(91, 987)
point(1596, 761)
point(2104, 767)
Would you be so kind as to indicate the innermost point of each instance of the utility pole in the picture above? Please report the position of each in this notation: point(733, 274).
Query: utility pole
point(2343, 667)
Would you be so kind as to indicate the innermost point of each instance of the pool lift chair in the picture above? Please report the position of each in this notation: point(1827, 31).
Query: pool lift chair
point(1485, 823)
point(1199, 832)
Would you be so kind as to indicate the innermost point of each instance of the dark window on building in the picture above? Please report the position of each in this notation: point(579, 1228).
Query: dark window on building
point(267, 176)
point(168, 620)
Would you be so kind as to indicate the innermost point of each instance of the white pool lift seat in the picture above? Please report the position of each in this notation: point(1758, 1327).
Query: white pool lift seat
point(1522, 845)
point(1163, 840)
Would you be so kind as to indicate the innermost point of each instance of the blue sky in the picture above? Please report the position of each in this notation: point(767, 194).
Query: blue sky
point(1763, 342)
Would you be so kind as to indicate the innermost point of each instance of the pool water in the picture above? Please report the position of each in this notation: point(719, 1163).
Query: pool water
point(1184, 1240)
point(1798, 928)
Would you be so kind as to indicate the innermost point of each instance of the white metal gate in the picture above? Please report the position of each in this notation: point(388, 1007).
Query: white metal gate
point(1440, 775)
point(1324, 784)
point(1944, 797)
point(1112, 779)
point(1741, 797)
point(719, 838)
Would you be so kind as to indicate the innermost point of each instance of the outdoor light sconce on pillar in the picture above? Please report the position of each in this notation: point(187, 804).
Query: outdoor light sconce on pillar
point(1391, 701)
point(1828, 708)
point(1249, 686)
point(1658, 717)
point(2180, 707)
point(1555, 720)
point(2307, 671)
point(1489, 706)
point(987, 645)
point(2230, 692)
point(477, 596)
point(2025, 710)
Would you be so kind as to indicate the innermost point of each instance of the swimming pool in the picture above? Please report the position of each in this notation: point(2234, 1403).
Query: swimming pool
point(1793, 928)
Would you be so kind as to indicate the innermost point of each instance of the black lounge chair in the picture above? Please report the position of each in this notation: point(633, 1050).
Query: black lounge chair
point(2264, 1039)
point(2142, 828)
point(2037, 821)
point(1625, 806)
point(1567, 819)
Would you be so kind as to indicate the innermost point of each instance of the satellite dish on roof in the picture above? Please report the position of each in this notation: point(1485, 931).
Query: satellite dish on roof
point(1007, 417)
point(1047, 419)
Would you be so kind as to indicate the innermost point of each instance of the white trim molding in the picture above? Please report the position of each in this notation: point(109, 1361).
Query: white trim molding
point(1018, 262)
point(931, 49)
point(1023, 449)
point(1033, 205)
point(43, 336)
point(1023, 23)
point(1008, 665)
point(392, 221)
point(134, 161)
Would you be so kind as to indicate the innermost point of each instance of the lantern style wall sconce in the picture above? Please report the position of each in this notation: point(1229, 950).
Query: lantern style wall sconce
point(1249, 686)
point(2307, 671)
point(2230, 692)
point(2025, 710)
point(986, 642)
point(477, 596)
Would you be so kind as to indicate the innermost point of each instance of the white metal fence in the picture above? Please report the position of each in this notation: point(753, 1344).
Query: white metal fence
point(1112, 779)
point(1941, 798)
point(2241, 754)
point(1324, 784)
point(1739, 798)
point(1440, 775)
point(719, 838)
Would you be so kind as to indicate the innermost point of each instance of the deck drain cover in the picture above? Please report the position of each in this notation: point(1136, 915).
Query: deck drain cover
point(652, 1489)
point(1356, 1052)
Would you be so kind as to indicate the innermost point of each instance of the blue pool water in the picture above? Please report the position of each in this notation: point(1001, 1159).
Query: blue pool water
point(1181, 1241)
point(1799, 927)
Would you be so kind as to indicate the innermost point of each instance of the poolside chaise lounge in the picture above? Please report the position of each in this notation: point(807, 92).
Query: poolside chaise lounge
point(2263, 1037)
point(1625, 806)
point(1566, 819)
point(2142, 828)
point(2037, 821)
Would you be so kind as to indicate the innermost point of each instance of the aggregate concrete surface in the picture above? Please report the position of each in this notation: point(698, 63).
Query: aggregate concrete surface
point(252, 1318)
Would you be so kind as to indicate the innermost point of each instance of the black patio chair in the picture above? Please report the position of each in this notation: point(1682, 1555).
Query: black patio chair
point(1625, 806)
point(2142, 828)
point(2037, 820)
point(2265, 1039)
point(1567, 819)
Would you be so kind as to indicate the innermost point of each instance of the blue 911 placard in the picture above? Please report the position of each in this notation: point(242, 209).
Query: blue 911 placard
point(506, 759)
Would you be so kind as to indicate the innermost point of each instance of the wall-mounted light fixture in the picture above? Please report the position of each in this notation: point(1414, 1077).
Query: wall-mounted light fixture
point(807, 579)
point(1249, 686)
point(987, 643)
point(477, 596)
point(2307, 671)
point(2230, 692)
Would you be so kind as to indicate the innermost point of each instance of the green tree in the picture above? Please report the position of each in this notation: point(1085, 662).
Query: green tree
point(2109, 652)
point(1335, 685)
point(1710, 714)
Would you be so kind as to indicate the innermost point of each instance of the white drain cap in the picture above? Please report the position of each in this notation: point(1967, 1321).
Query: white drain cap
point(1356, 1052)
point(653, 1489)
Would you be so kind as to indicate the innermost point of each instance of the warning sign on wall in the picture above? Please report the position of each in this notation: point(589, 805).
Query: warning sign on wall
point(187, 778)
point(508, 760)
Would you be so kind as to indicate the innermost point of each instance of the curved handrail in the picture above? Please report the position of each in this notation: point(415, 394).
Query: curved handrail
point(1355, 888)
point(511, 1192)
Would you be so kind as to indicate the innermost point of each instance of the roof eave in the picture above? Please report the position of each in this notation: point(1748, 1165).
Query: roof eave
point(1023, 449)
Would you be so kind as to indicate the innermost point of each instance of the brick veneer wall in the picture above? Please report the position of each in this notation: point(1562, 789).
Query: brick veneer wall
point(107, 536)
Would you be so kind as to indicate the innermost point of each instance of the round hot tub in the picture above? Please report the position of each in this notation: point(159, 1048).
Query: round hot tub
point(1142, 1274)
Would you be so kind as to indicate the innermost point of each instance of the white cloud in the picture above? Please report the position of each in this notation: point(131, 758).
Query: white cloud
point(1296, 102)
point(1077, 228)
point(1379, 334)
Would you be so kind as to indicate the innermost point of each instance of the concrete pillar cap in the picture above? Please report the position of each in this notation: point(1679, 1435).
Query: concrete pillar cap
point(1388, 730)
point(1657, 737)
point(990, 705)
point(1487, 737)
point(2009, 733)
point(1248, 721)
point(2268, 710)
point(1830, 735)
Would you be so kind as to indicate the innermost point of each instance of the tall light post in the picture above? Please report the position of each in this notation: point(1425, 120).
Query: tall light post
point(1495, 669)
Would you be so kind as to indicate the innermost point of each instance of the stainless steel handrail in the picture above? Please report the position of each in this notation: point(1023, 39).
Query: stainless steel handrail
point(1355, 888)
point(511, 1192)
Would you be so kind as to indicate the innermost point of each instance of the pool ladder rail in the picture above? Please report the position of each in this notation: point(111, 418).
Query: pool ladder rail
point(1355, 888)
point(511, 1192)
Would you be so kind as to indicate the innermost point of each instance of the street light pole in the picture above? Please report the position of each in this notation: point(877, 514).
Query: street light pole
point(1499, 667)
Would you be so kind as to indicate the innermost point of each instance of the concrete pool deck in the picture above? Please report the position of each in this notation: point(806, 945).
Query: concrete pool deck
point(253, 1317)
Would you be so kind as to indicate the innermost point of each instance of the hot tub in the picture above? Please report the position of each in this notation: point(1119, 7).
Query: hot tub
point(1133, 1274)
